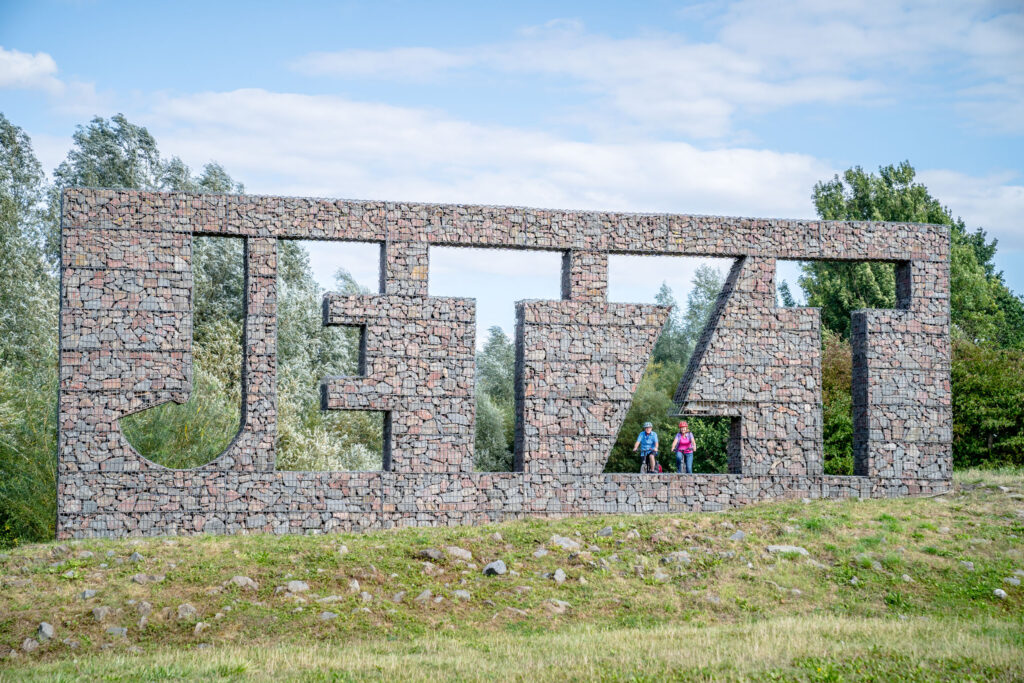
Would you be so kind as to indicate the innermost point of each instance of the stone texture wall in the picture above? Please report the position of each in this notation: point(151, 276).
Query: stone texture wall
point(902, 406)
point(761, 365)
point(126, 346)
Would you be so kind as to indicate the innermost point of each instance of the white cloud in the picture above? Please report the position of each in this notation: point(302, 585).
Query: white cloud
point(21, 70)
point(992, 202)
point(30, 72)
point(764, 57)
point(331, 146)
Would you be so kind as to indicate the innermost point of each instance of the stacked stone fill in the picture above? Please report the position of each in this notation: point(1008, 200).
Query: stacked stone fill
point(126, 342)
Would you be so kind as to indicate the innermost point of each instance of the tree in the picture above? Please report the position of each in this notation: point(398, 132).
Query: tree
point(28, 287)
point(495, 402)
point(837, 403)
point(786, 299)
point(839, 288)
point(988, 405)
point(982, 309)
point(672, 344)
point(985, 316)
point(496, 366)
point(28, 346)
point(700, 304)
point(492, 452)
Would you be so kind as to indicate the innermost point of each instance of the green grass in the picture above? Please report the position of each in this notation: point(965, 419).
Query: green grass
point(732, 612)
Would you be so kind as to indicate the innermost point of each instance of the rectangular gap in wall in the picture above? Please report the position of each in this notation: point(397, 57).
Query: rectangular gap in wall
point(496, 278)
point(333, 441)
point(343, 267)
point(309, 438)
point(692, 286)
point(843, 287)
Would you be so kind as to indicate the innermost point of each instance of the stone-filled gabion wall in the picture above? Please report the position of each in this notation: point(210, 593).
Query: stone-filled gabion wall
point(762, 365)
point(126, 342)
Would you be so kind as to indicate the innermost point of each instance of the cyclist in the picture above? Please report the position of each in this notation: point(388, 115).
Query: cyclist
point(684, 445)
point(647, 442)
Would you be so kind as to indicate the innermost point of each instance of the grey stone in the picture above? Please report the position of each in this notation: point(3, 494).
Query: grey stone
point(327, 616)
point(738, 536)
point(677, 557)
point(425, 596)
point(463, 594)
point(243, 582)
point(559, 577)
point(126, 329)
point(967, 564)
point(1012, 580)
point(297, 586)
point(30, 645)
point(459, 553)
point(187, 611)
point(565, 542)
point(101, 613)
point(430, 554)
point(557, 606)
point(495, 568)
point(605, 531)
point(780, 549)
point(117, 631)
point(45, 632)
point(1000, 593)
point(87, 594)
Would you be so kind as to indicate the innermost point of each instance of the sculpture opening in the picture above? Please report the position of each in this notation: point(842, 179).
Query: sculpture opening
point(184, 435)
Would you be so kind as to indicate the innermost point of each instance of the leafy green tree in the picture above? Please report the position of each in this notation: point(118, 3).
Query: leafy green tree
point(496, 366)
point(28, 346)
point(786, 299)
point(495, 403)
point(982, 309)
point(985, 315)
point(672, 343)
point(988, 405)
point(308, 437)
point(28, 288)
point(840, 288)
point(492, 452)
point(837, 403)
point(700, 304)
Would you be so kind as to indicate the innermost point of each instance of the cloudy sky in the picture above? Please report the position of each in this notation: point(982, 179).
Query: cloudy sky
point(732, 108)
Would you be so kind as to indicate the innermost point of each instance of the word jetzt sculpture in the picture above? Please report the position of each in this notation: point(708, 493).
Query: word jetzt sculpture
point(126, 342)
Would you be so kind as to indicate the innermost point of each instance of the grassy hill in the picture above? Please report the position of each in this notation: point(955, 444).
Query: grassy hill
point(887, 589)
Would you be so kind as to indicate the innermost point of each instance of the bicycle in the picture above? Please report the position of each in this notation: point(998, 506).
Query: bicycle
point(644, 469)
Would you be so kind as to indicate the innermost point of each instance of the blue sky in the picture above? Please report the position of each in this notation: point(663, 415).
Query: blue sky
point(732, 108)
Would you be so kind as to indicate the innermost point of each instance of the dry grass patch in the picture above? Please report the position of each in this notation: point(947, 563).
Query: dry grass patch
point(859, 552)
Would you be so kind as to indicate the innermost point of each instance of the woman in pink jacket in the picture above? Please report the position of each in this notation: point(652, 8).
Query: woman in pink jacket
point(683, 446)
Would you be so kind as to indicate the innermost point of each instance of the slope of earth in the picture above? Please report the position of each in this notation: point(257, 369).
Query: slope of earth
point(915, 589)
